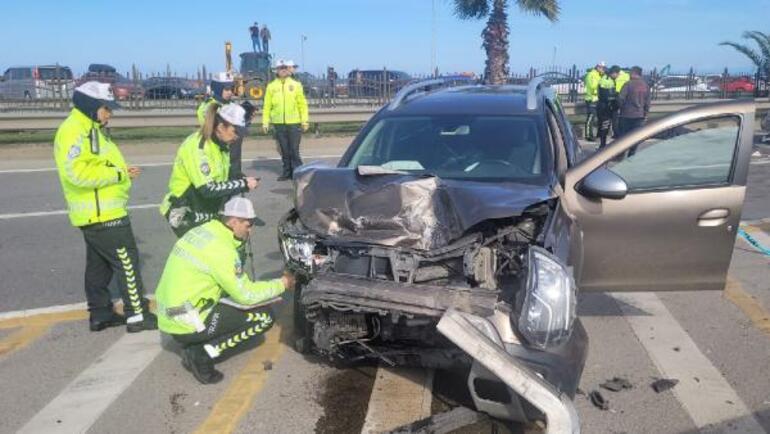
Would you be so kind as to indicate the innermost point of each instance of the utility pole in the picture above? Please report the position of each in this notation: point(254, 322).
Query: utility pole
point(302, 53)
point(433, 39)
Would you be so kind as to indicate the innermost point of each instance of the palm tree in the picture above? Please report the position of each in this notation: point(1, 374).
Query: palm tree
point(761, 57)
point(495, 34)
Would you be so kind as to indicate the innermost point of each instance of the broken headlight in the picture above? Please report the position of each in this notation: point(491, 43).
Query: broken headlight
point(548, 310)
point(298, 250)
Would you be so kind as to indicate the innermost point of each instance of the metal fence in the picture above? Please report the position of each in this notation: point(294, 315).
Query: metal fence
point(167, 90)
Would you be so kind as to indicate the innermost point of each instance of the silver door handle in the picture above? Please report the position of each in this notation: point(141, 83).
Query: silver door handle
point(713, 217)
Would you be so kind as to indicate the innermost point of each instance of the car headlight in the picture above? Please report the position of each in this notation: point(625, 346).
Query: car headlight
point(298, 250)
point(548, 310)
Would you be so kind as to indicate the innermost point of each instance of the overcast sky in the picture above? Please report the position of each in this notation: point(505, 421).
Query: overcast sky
point(372, 33)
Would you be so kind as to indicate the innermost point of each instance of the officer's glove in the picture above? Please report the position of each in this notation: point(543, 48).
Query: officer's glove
point(176, 216)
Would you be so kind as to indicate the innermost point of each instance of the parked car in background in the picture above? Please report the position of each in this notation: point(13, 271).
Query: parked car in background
point(681, 83)
point(376, 82)
point(563, 83)
point(171, 88)
point(122, 87)
point(739, 84)
point(35, 82)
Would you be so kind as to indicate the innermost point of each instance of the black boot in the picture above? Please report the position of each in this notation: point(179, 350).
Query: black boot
point(196, 360)
point(97, 325)
point(149, 322)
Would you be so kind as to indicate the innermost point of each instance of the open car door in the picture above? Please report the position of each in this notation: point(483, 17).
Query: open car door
point(659, 209)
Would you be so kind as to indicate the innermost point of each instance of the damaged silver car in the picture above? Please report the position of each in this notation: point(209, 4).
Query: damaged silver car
point(476, 200)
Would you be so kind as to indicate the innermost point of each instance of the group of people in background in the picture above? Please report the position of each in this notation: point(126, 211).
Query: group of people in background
point(260, 38)
point(205, 208)
point(616, 100)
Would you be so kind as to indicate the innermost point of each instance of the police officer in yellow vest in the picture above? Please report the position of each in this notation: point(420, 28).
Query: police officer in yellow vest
point(204, 267)
point(285, 108)
point(96, 182)
point(200, 180)
point(622, 78)
point(591, 82)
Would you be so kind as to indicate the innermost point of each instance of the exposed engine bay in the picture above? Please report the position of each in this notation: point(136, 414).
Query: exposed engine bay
point(370, 302)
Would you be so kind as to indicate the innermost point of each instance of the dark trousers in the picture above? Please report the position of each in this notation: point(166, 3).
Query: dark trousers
point(615, 124)
point(228, 328)
point(604, 117)
point(626, 125)
point(288, 137)
point(236, 156)
point(588, 131)
point(111, 250)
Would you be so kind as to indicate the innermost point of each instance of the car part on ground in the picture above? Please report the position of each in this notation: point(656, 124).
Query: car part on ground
point(557, 407)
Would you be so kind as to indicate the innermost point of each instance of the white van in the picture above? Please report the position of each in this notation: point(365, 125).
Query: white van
point(36, 82)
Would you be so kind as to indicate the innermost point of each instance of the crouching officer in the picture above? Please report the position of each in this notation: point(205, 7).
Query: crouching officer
point(200, 181)
point(203, 267)
point(96, 182)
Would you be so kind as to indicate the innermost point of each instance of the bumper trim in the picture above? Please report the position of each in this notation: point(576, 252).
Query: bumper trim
point(561, 415)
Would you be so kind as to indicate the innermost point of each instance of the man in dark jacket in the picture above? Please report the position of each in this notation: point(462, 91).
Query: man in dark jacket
point(634, 103)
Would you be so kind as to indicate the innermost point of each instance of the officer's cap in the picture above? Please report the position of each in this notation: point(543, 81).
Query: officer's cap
point(223, 77)
point(233, 114)
point(101, 92)
point(283, 63)
point(239, 207)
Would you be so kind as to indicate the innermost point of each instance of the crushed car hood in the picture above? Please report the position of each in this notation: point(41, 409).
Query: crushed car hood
point(402, 210)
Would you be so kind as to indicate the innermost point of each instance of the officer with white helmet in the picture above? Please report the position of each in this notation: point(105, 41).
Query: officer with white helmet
point(200, 179)
point(96, 182)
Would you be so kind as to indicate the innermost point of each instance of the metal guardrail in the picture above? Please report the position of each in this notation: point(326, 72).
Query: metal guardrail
point(186, 118)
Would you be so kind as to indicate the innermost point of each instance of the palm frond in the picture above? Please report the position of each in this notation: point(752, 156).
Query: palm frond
point(471, 9)
point(746, 51)
point(762, 40)
point(547, 8)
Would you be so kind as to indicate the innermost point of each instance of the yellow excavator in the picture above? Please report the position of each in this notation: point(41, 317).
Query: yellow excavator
point(254, 74)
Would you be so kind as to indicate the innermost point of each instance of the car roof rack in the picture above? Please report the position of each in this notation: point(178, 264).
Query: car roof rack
point(413, 88)
point(532, 87)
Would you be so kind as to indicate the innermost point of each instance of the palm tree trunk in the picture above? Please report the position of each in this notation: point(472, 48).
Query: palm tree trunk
point(495, 37)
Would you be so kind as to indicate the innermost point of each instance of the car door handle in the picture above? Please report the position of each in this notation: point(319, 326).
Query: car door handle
point(713, 217)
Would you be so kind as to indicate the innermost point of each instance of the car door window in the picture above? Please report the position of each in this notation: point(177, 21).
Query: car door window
point(560, 156)
point(697, 154)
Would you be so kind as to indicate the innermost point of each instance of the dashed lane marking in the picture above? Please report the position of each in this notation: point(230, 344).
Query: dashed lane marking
point(63, 212)
point(239, 396)
point(400, 396)
point(81, 403)
point(710, 401)
point(161, 164)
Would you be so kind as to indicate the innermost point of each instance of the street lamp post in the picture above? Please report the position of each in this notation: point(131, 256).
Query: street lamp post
point(302, 52)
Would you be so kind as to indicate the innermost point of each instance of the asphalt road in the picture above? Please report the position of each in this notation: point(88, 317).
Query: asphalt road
point(274, 389)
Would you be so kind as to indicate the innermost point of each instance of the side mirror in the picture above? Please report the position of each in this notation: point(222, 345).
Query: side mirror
point(603, 183)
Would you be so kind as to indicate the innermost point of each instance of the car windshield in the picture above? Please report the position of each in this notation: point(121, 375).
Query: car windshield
point(481, 148)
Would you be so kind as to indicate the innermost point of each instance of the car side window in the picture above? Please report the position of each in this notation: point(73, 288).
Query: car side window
point(558, 141)
point(696, 154)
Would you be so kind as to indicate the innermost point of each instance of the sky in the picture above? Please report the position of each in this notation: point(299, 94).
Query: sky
point(372, 34)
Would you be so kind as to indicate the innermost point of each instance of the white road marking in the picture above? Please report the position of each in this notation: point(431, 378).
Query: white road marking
point(81, 403)
point(42, 311)
point(400, 396)
point(710, 401)
point(164, 164)
point(63, 212)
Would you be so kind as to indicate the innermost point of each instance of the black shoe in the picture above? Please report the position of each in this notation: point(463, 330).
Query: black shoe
point(149, 322)
point(112, 321)
point(197, 361)
point(284, 178)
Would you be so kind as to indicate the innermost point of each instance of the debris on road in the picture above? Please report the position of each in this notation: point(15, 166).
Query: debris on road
point(452, 420)
point(598, 400)
point(267, 365)
point(617, 384)
point(664, 384)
